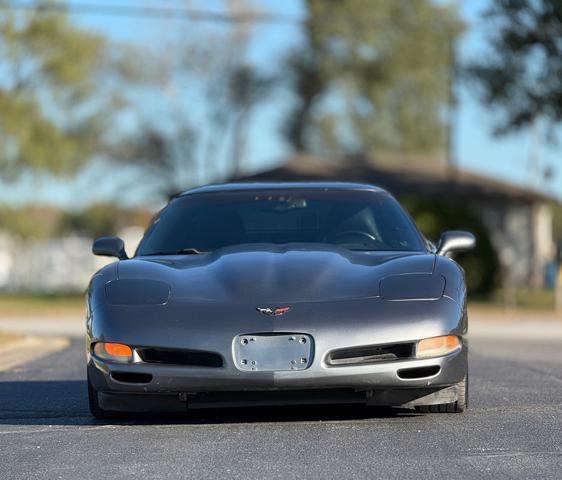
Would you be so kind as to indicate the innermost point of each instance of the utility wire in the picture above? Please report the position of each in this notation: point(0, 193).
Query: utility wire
point(150, 12)
point(88, 8)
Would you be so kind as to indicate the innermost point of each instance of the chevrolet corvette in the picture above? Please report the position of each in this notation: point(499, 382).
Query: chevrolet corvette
point(279, 294)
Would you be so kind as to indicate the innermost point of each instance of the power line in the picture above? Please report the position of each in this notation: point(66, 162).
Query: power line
point(168, 13)
point(150, 12)
point(207, 15)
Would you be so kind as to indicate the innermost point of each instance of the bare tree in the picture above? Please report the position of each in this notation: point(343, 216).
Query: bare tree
point(247, 89)
point(207, 92)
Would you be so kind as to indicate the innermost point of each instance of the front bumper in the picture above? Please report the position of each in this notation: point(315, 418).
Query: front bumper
point(374, 322)
point(175, 379)
point(377, 384)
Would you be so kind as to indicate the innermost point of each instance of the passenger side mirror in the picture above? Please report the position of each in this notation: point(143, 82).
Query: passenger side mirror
point(455, 241)
point(110, 247)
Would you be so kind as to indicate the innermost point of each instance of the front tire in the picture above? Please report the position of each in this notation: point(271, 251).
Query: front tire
point(459, 406)
point(94, 404)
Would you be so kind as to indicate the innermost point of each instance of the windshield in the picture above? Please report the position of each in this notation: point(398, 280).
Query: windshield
point(357, 220)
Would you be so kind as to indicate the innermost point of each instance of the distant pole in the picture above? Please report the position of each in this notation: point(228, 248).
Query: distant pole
point(533, 166)
point(451, 106)
point(558, 283)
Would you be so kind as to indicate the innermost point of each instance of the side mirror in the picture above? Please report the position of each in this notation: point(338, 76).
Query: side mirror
point(109, 247)
point(455, 241)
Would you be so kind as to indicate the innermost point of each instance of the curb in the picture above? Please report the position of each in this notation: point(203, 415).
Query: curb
point(28, 349)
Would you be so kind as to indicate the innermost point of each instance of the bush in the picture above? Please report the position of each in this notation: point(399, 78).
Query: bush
point(433, 216)
point(41, 222)
point(31, 221)
point(102, 219)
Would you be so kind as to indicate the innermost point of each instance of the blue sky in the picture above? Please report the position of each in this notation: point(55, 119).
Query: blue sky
point(505, 158)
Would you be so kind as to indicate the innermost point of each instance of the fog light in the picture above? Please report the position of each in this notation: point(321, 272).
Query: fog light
point(116, 352)
point(437, 346)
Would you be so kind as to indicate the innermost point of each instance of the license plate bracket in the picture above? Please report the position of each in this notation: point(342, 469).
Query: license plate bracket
point(273, 352)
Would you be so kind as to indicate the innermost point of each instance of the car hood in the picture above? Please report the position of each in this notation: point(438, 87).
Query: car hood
point(274, 274)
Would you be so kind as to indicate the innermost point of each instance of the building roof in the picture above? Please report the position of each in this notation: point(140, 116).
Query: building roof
point(399, 177)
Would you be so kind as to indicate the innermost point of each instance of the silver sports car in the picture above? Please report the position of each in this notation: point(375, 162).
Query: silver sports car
point(279, 293)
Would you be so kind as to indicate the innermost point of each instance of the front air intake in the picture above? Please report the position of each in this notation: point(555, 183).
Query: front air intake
point(131, 377)
point(419, 372)
point(171, 356)
point(370, 354)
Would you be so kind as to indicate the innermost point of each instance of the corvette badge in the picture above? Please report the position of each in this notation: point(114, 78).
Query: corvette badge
point(273, 311)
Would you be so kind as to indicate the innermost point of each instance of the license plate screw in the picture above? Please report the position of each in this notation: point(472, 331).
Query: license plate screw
point(243, 361)
point(253, 362)
point(293, 362)
point(302, 340)
point(303, 360)
point(244, 341)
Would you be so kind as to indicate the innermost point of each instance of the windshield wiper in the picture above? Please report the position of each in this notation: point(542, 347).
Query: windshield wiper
point(183, 251)
point(190, 251)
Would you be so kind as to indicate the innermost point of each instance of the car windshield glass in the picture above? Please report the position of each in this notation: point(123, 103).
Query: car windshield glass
point(357, 220)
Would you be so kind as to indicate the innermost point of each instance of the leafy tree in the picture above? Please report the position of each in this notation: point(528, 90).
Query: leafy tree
point(43, 221)
point(101, 219)
point(31, 221)
point(522, 73)
point(57, 92)
point(372, 76)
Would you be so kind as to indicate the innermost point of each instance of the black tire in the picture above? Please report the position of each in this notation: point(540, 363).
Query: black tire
point(93, 402)
point(459, 406)
point(95, 409)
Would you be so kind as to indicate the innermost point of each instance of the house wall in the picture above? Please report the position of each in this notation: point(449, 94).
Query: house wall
point(521, 233)
point(543, 241)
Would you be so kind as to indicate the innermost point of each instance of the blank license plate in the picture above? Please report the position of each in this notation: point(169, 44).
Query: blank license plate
point(273, 352)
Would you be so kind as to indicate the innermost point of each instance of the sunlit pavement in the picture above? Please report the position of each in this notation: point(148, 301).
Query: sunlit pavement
point(68, 326)
point(513, 428)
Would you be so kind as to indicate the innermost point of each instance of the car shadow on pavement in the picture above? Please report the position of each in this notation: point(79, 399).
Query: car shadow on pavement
point(65, 403)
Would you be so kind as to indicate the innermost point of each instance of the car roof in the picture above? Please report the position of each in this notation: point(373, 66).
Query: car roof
point(252, 186)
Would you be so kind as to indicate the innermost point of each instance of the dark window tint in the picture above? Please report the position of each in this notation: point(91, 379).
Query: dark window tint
point(356, 220)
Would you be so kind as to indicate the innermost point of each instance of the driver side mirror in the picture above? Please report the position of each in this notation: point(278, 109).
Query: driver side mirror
point(110, 247)
point(455, 241)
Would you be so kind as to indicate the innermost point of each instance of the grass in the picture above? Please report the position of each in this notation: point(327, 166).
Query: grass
point(524, 300)
point(6, 338)
point(43, 305)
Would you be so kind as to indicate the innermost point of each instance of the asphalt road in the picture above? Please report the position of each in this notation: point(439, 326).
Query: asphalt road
point(513, 429)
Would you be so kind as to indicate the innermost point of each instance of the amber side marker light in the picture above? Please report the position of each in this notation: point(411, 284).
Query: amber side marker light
point(116, 352)
point(437, 346)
